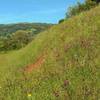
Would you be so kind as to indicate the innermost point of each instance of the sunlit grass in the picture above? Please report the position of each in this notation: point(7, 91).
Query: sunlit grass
point(71, 68)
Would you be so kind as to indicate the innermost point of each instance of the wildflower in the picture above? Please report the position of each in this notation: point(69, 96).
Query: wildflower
point(66, 82)
point(29, 95)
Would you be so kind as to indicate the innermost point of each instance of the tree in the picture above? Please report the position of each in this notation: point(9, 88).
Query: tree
point(97, 1)
point(20, 38)
point(80, 7)
point(16, 40)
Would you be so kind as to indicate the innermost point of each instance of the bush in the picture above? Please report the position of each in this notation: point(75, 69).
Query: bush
point(80, 7)
point(60, 21)
point(16, 40)
point(97, 1)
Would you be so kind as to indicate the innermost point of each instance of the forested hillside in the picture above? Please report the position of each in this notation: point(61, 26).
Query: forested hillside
point(6, 29)
point(16, 36)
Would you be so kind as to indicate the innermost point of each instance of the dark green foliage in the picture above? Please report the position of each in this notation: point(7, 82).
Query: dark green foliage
point(97, 1)
point(60, 21)
point(80, 7)
point(17, 40)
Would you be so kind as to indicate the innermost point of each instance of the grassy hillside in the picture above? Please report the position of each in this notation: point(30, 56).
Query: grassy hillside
point(60, 64)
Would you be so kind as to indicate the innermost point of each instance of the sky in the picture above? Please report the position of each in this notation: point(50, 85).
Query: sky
point(44, 11)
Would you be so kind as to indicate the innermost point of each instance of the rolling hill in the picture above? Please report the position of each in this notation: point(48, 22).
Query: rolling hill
point(62, 63)
point(16, 36)
point(6, 29)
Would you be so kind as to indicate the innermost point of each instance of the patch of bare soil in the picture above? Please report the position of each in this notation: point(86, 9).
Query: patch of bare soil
point(38, 63)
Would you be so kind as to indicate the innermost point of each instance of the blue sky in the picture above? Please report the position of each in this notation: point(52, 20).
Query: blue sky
point(49, 11)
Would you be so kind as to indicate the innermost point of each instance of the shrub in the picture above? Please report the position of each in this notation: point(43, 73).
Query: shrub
point(80, 7)
point(60, 21)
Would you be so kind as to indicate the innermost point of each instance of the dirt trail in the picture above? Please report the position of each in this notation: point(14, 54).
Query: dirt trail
point(38, 63)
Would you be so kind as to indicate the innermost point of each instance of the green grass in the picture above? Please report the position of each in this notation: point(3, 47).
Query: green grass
point(72, 65)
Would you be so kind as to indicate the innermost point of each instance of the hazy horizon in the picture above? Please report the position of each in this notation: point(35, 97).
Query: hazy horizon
point(34, 11)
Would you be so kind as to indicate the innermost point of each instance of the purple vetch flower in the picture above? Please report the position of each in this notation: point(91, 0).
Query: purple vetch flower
point(66, 83)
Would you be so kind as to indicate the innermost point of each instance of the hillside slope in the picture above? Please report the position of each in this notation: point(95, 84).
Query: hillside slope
point(70, 66)
point(7, 29)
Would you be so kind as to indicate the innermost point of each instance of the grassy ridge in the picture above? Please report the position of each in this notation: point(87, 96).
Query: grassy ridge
point(71, 68)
